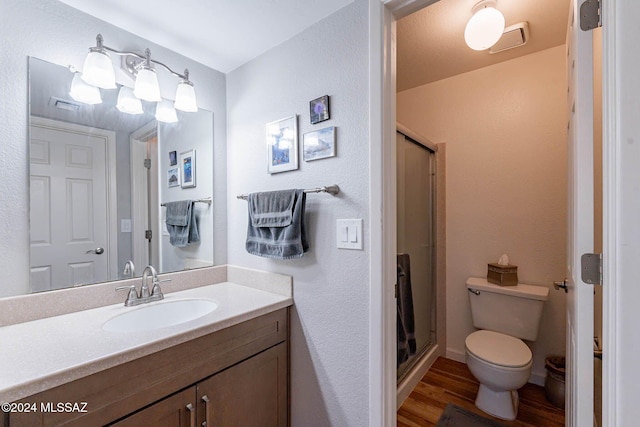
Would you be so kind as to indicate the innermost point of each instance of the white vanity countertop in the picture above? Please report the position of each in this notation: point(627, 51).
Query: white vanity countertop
point(41, 354)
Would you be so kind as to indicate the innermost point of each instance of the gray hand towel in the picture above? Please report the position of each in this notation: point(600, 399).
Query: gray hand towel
point(276, 226)
point(182, 223)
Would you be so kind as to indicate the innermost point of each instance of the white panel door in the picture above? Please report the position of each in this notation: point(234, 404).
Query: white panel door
point(68, 208)
point(579, 405)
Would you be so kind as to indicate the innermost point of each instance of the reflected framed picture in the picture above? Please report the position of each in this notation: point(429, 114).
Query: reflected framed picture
point(319, 144)
point(173, 158)
point(188, 168)
point(282, 145)
point(319, 109)
point(173, 177)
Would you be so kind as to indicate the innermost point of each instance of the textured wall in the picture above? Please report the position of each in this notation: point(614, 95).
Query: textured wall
point(505, 129)
point(329, 324)
point(57, 33)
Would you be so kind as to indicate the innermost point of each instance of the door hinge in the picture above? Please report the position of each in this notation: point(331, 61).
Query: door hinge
point(591, 266)
point(147, 163)
point(590, 15)
point(147, 234)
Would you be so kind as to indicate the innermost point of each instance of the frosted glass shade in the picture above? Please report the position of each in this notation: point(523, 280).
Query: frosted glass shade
point(98, 70)
point(484, 29)
point(127, 102)
point(186, 98)
point(82, 92)
point(165, 112)
point(146, 86)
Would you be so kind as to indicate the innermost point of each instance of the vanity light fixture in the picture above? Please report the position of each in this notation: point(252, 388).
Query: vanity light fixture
point(485, 27)
point(127, 102)
point(83, 92)
point(98, 71)
point(165, 112)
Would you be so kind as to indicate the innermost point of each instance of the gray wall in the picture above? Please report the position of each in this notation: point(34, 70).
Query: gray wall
point(329, 322)
point(57, 33)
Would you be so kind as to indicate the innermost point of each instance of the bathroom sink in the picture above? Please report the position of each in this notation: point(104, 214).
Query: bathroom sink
point(160, 315)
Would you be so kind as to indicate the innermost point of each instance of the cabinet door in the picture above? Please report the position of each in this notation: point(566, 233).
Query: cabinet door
point(178, 410)
point(252, 393)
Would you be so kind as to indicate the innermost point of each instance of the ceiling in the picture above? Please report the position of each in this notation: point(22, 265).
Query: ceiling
point(431, 47)
point(222, 34)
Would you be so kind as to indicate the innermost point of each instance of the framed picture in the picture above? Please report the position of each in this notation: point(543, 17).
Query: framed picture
point(188, 168)
point(173, 158)
point(319, 109)
point(173, 176)
point(282, 145)
point(319, 144)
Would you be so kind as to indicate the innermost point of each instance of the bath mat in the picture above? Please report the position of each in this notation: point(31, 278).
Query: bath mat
point(455, 416)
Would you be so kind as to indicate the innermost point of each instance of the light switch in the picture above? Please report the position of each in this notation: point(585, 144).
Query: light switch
point(349, 234)
point(125, 225)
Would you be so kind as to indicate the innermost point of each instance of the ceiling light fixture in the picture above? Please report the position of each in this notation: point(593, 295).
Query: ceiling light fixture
point(485, 27)
point(98, 71)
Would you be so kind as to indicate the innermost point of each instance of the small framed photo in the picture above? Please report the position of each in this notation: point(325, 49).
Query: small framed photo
point(173, 177)
point(173, 158)
point(188, 168)
point(319, 144)
point(282, 145)
point(319, 109)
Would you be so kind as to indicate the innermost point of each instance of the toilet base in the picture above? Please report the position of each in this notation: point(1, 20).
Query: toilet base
point(500, 404)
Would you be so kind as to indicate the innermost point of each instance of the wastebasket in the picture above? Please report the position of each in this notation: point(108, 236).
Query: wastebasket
point(554, 387)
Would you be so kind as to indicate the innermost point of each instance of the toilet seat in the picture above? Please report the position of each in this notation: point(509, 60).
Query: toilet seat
point(498, 349)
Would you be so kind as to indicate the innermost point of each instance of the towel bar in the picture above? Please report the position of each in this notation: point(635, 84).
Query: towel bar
point(331, 189)
point(206, 200)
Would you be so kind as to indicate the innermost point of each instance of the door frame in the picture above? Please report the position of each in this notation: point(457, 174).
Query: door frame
point(139, 197)
point(382, 110)
point(110, 181)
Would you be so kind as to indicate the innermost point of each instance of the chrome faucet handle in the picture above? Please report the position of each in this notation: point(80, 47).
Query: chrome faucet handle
point(156, 292)
point(132, 296)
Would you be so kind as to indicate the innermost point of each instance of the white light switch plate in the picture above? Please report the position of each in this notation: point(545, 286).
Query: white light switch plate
point(125, 225)
point(349, 234)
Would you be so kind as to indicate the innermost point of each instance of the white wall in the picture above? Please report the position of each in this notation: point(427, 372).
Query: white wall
point(57, 33)
point(329, 322)
point(505, 129)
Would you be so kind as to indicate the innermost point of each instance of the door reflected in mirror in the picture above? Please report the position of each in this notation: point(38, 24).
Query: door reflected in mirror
point(98, 178)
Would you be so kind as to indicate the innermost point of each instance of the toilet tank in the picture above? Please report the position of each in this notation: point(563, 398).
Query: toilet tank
point(512, 310)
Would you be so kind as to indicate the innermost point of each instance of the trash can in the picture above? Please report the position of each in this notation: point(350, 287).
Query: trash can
point(554, 387)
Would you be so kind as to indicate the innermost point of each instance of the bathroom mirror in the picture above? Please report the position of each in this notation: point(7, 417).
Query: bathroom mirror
point(95, 202)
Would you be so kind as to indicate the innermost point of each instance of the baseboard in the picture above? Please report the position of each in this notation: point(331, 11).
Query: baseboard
point(538, 378)
point(456, 355)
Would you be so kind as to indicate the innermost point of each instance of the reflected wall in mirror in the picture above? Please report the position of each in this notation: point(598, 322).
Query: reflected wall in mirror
point(94, 202)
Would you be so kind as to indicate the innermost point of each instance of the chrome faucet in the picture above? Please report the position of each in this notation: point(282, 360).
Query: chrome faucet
point(145, 296)
point(129, 269)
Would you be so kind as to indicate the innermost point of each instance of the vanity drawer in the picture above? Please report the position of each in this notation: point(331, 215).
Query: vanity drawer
point(123, 389)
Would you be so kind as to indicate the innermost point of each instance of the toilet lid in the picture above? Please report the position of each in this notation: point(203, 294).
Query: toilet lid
point(498, 349)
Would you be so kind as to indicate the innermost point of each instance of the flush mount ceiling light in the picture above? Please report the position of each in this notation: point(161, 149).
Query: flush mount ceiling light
point(98, 71)
point(485, 27)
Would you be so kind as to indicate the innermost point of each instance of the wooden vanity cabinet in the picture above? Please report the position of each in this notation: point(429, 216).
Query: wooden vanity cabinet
point(237, 376)
point(249, 394)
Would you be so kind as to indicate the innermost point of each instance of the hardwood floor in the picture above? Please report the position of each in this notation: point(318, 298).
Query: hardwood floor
point(449, 381)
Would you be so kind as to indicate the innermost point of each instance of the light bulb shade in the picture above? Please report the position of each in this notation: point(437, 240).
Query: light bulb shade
point(82, 92)
point(485, 27)
point(146, 86)
point(98, 70)
point(186, 97)
point(127, 102)
point(165, 112)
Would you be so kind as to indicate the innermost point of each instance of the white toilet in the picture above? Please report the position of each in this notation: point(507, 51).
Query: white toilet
point(496, 354)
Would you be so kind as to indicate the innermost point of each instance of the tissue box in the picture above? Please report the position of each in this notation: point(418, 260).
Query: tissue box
point(503, 275)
